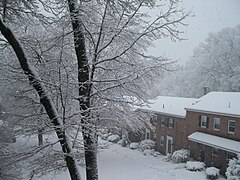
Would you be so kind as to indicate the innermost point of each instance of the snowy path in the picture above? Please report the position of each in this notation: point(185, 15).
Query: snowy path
point(118, 163)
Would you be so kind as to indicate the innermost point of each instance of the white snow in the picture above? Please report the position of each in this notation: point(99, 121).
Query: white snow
point(121, 163)
point(218, 102)
point(215, 141)
point(1, 122)
point(170, 105)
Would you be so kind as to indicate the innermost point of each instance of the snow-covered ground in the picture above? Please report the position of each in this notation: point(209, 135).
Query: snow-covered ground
point(119, 163)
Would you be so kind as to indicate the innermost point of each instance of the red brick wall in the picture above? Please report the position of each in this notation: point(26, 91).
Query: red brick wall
point(193, 125)
point(178, 132)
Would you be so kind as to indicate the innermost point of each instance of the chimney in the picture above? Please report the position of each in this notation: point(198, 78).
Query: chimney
point(206, 90)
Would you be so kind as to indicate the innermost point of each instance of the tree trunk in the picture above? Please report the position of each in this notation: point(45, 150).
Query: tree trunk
point(45, 100)
point(90, 144)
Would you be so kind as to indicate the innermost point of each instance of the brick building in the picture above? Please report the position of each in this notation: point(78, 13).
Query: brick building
point(214, 128)
point(170, 122)
point(209, 126)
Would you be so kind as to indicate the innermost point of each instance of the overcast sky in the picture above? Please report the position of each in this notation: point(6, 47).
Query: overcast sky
point(210, 16)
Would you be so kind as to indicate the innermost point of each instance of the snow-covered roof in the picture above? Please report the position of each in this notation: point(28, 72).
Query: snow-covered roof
point(226, 103)
point(169, 105)
point(215, 141)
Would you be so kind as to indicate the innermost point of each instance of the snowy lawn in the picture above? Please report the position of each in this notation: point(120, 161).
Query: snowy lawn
point(119, 163)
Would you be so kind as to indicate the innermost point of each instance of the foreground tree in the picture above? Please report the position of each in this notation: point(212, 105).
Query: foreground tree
point(114, 71)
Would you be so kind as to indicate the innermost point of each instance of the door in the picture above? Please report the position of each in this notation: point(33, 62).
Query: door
point(169, 145)
point(202, 150)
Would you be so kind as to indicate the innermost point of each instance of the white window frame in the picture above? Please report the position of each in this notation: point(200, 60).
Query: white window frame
point(229, 121)
point(205, 119)
point(214, 123)
point(170, 123)
point(162, 139)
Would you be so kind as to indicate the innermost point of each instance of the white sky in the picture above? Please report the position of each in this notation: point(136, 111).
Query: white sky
point(210, 16)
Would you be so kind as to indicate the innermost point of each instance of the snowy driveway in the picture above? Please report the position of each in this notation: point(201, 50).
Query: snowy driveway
point(118, 163)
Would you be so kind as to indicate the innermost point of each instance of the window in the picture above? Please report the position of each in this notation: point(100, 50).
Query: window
point(216, 124)
point(214, 152)
point(153, 119)
point(162, 140)
point(170, 123)
point(162, 121)
point(203, 122)
point(147, 135)
point(231, 126)
point(230, 155)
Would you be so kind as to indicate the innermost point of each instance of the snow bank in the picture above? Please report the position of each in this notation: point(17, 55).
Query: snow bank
point(212, 173)
point(195, 166)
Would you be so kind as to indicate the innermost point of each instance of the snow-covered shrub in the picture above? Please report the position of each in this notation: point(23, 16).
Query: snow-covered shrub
point(233, 170)
point(180, 156)
point(124, 141)
point(105, 136)
point(134, 145)
point(195, 166)
point(120, 142)
point(212, 173)
point(167, 158)
point(148, 152)
point(113, 138)
point(147, 144)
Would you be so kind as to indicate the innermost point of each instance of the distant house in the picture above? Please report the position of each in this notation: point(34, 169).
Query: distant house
point(169, 120)
point(209, 126)
point(214, 128)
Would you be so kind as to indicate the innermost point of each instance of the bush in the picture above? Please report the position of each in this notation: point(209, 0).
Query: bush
point(105, 136)
point(124, 141)
point(149, 152)
point(233, 170)
point(180, 156)
point(195, 166)
point(147, 144)
point(134, 145)
point(113, 138)
point(212, 173)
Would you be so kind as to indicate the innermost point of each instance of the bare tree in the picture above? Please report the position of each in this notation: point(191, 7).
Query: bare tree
point(114, 72)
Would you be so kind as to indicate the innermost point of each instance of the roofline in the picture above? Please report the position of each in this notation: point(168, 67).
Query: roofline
point(211, 112)
point(215, 146)
point(166, 114)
